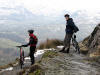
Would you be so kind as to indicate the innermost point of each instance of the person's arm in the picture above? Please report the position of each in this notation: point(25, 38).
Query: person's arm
point(30, 42)
point(25, 45)
point(72, 24)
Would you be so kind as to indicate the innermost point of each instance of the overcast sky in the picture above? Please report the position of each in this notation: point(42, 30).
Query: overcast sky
point(53, 6)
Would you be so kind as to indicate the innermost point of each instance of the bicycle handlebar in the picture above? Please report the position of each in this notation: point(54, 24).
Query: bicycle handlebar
point(19, 46)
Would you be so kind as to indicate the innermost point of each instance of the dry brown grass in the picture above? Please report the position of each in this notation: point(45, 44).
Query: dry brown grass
point(50, 54)
point(96, 53)
point(50, 44)
point(83, 48)
point(85, 41)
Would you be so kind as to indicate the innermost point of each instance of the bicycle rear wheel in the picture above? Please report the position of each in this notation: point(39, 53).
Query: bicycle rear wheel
point(76, 45)
point(78, 49)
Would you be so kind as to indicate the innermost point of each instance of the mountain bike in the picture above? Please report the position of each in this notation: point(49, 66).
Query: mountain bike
point(75, 43)
point(21, 62)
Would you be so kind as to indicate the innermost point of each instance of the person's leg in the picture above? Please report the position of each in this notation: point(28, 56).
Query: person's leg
point(32, 59)
point(68, 42)
point(64, 43)
point(32, 51)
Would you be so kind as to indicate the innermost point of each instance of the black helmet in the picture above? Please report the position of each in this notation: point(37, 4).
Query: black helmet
point(31, 31)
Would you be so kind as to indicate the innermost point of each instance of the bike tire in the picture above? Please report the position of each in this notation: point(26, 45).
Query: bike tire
point(78, 49)
point(76, 45)
point(22, 60)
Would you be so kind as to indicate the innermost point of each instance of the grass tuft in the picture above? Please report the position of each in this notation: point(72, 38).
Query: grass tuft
point(50, 54)
point(50, 44)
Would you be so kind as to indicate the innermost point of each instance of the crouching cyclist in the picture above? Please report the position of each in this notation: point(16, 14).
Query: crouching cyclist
point(32, 43)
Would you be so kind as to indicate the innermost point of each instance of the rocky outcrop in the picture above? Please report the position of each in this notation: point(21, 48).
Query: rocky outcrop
point(94, 38)
point(56, 63)
point(91, 44)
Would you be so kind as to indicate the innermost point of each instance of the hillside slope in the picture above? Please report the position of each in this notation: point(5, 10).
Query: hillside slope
point(55, 63)
point(68, 64)
point(8, 51)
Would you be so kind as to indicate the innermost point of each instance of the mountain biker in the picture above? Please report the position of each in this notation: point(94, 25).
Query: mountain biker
point(32, 43)
point(70, 29)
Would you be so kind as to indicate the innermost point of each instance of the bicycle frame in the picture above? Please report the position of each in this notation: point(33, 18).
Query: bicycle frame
point(21, 56)
point(75, 43)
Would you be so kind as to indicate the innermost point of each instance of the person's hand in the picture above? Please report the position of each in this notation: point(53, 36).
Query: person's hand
point(19, 46)
point(73, 31)
point(24, 45)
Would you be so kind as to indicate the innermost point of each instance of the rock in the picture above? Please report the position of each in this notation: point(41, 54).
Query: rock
point(92, 43)
point(67, 64)
point(94, 38)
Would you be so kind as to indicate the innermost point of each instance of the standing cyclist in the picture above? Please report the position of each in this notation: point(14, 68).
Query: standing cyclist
point(70, 29)
point(32, 43)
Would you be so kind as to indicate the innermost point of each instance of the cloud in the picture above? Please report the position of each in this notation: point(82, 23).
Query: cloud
point(52, 6)
point(48, 7)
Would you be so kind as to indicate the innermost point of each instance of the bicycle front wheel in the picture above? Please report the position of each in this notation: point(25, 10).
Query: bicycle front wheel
point(22, 60)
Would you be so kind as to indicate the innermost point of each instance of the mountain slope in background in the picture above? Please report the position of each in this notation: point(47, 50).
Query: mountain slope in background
point(8, 52)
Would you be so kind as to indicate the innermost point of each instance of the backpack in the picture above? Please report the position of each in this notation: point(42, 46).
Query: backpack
point(36, 40)
point(76, 29)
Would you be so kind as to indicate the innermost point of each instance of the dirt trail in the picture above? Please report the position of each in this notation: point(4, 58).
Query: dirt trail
point(64, 64)
point(70, 64)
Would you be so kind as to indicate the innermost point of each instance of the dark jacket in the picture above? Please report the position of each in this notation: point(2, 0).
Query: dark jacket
point(70, 26)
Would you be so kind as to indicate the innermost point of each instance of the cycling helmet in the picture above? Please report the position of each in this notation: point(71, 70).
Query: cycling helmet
point(31, 31)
